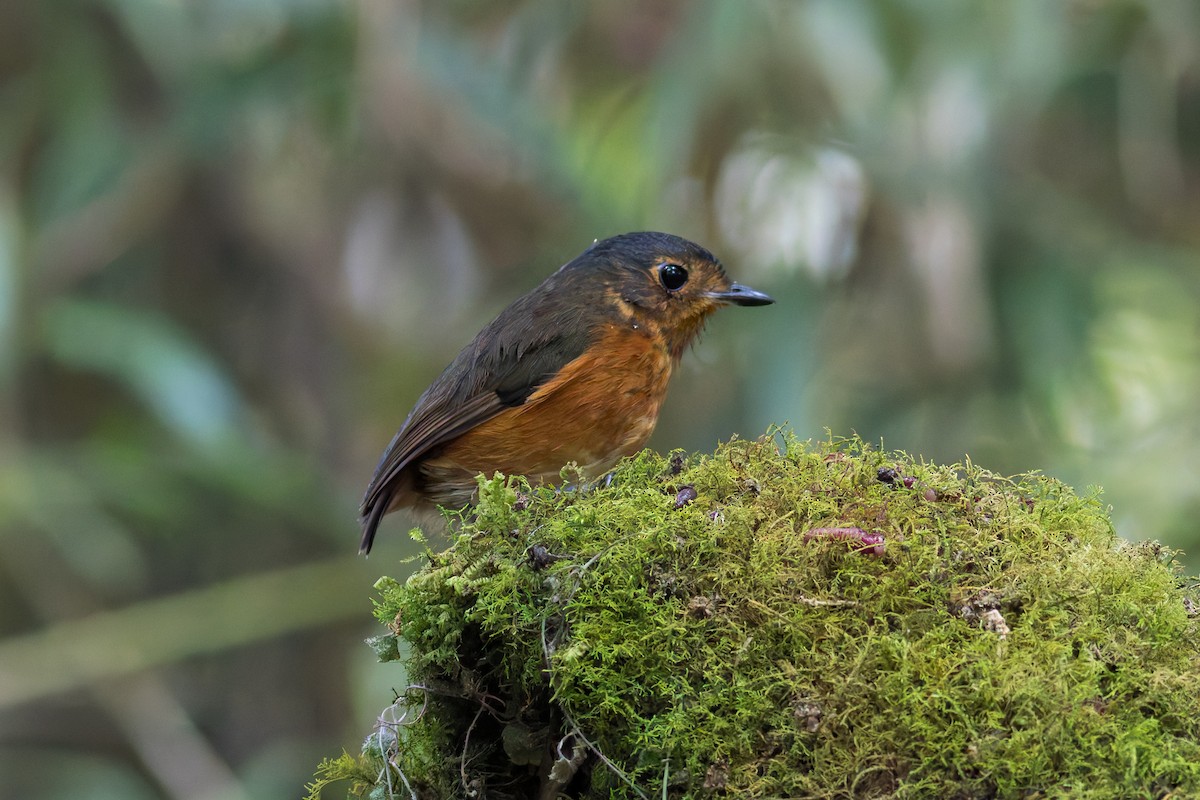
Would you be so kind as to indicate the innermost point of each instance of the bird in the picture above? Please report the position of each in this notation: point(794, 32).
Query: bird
point(574, 371)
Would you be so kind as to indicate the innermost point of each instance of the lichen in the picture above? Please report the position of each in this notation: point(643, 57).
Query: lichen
point(689, 628)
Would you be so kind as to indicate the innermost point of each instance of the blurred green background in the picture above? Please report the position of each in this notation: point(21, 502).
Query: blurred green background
point(239, 237)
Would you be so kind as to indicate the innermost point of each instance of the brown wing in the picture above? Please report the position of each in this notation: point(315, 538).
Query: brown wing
point(421, 433)
point(499, 370)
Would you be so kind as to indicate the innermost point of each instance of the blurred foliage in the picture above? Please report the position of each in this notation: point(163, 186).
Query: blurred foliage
point(238, 238)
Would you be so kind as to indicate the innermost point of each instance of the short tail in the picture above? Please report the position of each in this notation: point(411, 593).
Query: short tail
point(370, 523)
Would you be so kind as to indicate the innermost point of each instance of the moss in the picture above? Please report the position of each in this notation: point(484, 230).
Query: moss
point(714, 626)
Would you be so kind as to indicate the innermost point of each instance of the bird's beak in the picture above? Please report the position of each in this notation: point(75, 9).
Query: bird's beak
point(741, 296)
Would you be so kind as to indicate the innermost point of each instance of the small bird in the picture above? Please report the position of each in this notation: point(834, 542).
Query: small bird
point(574, 371)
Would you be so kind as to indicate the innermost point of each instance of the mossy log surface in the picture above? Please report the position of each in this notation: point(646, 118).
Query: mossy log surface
point(731, 625)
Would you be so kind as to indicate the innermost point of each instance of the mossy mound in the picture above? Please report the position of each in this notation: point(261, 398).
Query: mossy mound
point(716, 626)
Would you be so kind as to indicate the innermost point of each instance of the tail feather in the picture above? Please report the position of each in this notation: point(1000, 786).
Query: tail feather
point(370, 523)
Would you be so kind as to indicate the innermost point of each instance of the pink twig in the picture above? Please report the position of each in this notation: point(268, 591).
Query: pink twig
point(872, 543)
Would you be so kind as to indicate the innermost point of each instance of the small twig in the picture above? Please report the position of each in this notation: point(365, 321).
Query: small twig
point(620, 773)
point(547, 650)
point(808, 601)
point(391, 791)
point(462, 762)
point(577, 573)
point(390, 755)
point(872, 543)
point(815, 603)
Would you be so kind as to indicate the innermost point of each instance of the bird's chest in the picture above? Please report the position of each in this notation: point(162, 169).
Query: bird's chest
point(596, 409)
point(608, 398)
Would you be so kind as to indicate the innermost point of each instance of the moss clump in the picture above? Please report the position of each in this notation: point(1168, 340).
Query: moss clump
point(689, 629)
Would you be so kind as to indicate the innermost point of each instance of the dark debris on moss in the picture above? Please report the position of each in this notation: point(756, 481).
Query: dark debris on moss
point(721, 626)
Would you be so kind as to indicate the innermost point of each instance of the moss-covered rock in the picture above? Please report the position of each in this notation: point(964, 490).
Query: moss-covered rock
point(728, 625)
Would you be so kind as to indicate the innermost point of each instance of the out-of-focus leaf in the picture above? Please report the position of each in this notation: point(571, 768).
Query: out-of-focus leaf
point(59, 503)
point(474, 80)
point(61, 773)
point(8, 284)
point(88, 144)
point(169, 372)
point(71, 654)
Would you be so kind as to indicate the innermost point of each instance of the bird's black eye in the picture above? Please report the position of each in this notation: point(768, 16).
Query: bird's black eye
point(672, 277)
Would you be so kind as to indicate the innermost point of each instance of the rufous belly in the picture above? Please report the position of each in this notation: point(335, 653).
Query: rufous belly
point(598, 408)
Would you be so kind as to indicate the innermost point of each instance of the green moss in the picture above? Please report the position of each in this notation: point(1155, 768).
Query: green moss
point(1005, 644)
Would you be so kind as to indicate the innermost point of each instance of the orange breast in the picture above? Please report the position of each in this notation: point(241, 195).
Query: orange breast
point(598, 408)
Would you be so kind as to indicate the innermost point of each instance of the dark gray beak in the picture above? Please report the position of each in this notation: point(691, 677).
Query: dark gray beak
point(740, 295)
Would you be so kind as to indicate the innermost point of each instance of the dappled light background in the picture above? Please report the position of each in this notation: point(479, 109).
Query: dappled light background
point(238, 239)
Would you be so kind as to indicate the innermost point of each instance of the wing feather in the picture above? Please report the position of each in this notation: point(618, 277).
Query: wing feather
point(500, 369)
